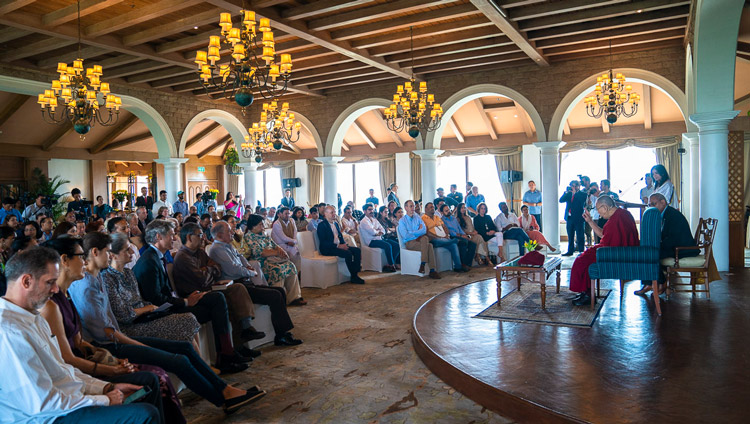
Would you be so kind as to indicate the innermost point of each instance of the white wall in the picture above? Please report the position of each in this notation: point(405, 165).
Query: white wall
point(300, 194)
point(77, 172)
point(403, 176)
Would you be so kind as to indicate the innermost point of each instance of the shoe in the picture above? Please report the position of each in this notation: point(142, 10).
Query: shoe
point(458, 270)
point(247, 352)
point(567, 254)
point(466, 268)
point(643, 290)
point(551, 249)
point(287, 340)
point(251, 333)
point(583, 301)
point(298, 302)
point(578, 296)
point(421, 269)
point(226, 367)
point(234, 404)
point(434, 275)
point(388, 269)
point(357, 280)
point(236, 358)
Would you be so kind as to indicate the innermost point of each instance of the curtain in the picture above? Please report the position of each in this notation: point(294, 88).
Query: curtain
point(669, 157)
point(233, 183)
point(510, 190)
point(646, 142)
point(315, 175)
point(416, 178)
point(497, 151)
point(285, 173)
point(387, 176)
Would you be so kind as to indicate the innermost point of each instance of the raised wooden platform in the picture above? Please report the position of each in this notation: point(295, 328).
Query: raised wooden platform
point(690, 365)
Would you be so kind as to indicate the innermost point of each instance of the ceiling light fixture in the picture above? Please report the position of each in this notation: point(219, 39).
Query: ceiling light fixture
point(275, 130)
point(72, 98)
point(612, 96)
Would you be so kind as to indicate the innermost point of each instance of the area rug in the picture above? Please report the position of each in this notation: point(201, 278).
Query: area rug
point(525, 305)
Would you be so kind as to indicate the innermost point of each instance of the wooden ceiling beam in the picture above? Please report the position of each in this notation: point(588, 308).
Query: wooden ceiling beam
point(378, 11)
point(498, 107)
point(137, 16)
point(164, 73)
point(85, 53)
point(113, 134)
point(381, 118)
point(359, 80)
point(367, 137)
point(566, 128)
point(70, 13)
point(175, 27)
point(128, 141)
point(485, 118)
point(558, 8)
point(617, 42)
point(524, 119)
point(472, 64)
point(202, 134)
point(226, 147)
point(321, 7)
point(136, 68)
point(626, 31)
point(33, 49)
point(605, 124)
point(456, 130)
point(510, 29)
point(317, 79)
point(8, 34)
point(471, 54)
point(7, 6)
point(211, 148)
point(508, 4)
point(447, 39)
point(177, 80)
point(646, 103)
point(54, 139)
point(115, 61)
point(11, 106)
point(429, 31)
point(316, 72)
point(189, 42)
point(618, 50)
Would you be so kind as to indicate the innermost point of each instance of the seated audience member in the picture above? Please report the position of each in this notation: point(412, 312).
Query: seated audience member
point(531, 227)
point(32, 230)
point(438, 207)
point(162, 213)
point(620, 230)
point(331, 243)
point(237, 235)
point(80, 228)
point(129, 308)
point(235, 267)
point(392, 208)
point(143, 218)
point(33, 210)
point(94, 226)
point(8, 210)
point(47, 225)
point(417, 209)
point(195, 272)
point(489, 232)
point(284, 233)
point(298, 215)
point(371, 234)
point(65, 228)
point(272, 214)
point(205, 223)
point(507, 222)
point(267, 220)
point(151, 273)
point(675, 232)
point(467, 225)
point(120, 225)
point(22, 243)
point(101, 209)
point(11, 221)
point(439, 236)
point(473, 199)
point(70, 217)
point(466, 247)
point(312, 220)
point(413, 233)
point(7, 236)
point(349, 225)
point(278, 269)
point(387, 223)
point(37, 385)
point(65, 323)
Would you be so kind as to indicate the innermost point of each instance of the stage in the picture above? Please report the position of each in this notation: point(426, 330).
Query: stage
point(690, 365)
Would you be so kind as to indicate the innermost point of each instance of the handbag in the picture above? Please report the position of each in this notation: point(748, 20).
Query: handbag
point(99, 355)
point(151, 316)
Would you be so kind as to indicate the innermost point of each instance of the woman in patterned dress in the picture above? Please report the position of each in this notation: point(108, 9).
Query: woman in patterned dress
point(277, 267)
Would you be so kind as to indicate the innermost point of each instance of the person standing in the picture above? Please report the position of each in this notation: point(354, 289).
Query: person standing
point(663, 184)
point(473, 200)
point(446, 200)
point(574, 200)
point(144, 199)
point(78, 206)
point(393, 196)
point(161, 203)
point(31, 211)
point(647, 191)
point(455, 195)
point(372, 199)
point(101, 209)
point(533, 199)
point(288, 200)
point(181, 205)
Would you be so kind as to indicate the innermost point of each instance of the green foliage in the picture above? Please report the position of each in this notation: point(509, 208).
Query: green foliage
point(40, 184)
point(231, 157)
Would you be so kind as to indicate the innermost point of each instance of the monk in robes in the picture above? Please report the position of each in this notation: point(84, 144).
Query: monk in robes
point(619, 230)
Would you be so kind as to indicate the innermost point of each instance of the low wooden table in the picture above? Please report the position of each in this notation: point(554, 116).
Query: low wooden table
point(508, 270)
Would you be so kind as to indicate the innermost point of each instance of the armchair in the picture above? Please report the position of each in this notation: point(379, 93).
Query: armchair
point(699, 266)
point(633, 262)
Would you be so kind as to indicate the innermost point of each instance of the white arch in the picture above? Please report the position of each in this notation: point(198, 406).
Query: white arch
point(314, 131)
point(230, 122)
point(142, 110)
point(346, 119)
point(577, 93)
point(454, 102)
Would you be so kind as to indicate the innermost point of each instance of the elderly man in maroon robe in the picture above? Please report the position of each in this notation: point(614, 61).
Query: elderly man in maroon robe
point(620, 230)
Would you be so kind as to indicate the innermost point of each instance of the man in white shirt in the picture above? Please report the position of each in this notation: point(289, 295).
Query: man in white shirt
point(371, 235)
point(37, 385)
point(162, 202)
point(34, 209)
point(647, 191)
point(284, 233)
point(507, 222)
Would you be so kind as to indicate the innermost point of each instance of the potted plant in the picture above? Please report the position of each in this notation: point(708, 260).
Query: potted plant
point(48, 187)
point(231, 161)
point(213, 193)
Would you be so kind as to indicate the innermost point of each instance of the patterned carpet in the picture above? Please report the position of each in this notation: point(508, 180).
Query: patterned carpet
point(357, 364)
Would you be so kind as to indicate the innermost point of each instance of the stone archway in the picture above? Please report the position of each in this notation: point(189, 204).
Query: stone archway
point(230, 122)
point(346, 119)
point(454, 102)
point(313, 131)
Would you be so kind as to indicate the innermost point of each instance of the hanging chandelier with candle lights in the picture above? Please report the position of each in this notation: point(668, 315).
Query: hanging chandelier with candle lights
point(613, 96)
point(78, 97)
point(251, 64)
point(413, 109)
point(275, 130)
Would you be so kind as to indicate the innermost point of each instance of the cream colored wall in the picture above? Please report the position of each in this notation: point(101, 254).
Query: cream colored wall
point(76, 171)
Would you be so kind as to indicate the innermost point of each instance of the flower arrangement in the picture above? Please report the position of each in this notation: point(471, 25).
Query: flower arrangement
point(120, 195)
point(214, 192)
point(530, 245)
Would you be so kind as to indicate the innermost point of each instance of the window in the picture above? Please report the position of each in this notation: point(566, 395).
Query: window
point(366, 177)
point(627, 170)
point(592, 163)
point(273, 186)
point(345, 183)
point(451, 170)
point(482, 171)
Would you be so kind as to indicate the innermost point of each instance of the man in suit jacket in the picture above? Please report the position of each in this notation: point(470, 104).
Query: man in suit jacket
point(151, 273)
point(574, 200)
point(288, 200)
point(331, 243)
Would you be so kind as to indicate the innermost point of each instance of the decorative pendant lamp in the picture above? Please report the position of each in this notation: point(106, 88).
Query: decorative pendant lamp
point(413, 109)
point(275, 130)
point(78, 97)
point(251, 63)
point(613, 96)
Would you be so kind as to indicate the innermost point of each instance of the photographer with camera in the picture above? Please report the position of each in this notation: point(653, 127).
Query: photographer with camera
point(575, 201)
point(34, 209)
point(81, 207)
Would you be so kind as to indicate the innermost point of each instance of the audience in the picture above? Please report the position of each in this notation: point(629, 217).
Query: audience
point(531, 228)
point(313, 219)
point(284, 233)
point(439, 236)
point(466, 246)
point(507, 222)
point(473, 200)
point(467, 226)
point(298, 215)
point(413, 234)
point(331, 243)
point(372, 234)
point(490, 233)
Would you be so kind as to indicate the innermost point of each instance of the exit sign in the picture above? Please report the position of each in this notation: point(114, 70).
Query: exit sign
point(201, 169)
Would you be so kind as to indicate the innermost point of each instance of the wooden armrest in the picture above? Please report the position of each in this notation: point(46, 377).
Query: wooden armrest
point(677, 252)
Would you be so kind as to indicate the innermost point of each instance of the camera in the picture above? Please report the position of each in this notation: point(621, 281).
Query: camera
point(49, 201)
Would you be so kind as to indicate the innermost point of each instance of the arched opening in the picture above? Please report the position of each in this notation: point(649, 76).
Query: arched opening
point(229, 122)
point(345, 120)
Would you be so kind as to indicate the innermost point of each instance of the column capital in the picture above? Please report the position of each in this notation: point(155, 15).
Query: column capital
point(329, 160)
point(549, 147)
point(171, 161)
point(691, 138)
point(428, 153)
point(250, 166)
point(713, 121)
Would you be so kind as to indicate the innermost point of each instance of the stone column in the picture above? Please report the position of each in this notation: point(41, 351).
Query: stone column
point(429, 173)
point(251, 177)
point(550, 153)
point(172, 177)
point(403, 178)
point(330, 178)
point(713, 130)
point(693, 207)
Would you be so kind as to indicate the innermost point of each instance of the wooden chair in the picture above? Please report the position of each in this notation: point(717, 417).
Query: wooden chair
point(696, 266)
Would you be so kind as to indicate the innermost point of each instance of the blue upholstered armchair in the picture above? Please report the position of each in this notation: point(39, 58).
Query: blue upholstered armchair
point(631, 263)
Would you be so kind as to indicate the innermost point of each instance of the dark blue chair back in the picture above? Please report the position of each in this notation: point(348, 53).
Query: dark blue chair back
point(651, 228)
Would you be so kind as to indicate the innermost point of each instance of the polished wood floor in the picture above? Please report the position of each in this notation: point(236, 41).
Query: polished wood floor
point(690, 365)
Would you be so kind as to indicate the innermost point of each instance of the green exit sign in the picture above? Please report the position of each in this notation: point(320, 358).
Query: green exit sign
point(201, 169)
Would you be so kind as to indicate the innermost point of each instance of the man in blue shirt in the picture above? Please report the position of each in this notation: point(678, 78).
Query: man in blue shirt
point(473, 200)
point(455, 195)
point(466, 247)
point(372, 199)
point(413, 233)
point(533, 199)
point(199, 204)
point(8, 209)
point(180, 205)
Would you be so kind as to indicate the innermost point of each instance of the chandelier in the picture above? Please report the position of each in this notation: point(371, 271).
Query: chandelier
point(78, 97)
point(413, 109)
point(275, 130)
point(251, 64)
point(613, 96)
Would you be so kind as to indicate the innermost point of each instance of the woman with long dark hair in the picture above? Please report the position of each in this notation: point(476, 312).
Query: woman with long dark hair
point(298, 216)
point(467, 224)
point(663, 184)
point(486, 228)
